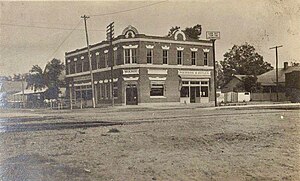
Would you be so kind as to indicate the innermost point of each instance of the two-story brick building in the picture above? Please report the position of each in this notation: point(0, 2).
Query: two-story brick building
point(147, 69)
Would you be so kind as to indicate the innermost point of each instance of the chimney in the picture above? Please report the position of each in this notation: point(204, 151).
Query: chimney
point(285, 65)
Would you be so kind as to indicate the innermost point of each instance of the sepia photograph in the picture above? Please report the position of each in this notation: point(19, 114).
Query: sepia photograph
point(167, 90)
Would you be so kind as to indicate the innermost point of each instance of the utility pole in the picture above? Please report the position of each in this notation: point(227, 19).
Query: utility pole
point(215, 72)
point(213, 36)
point(277, 84)
point(89, 57)
point(110, 36)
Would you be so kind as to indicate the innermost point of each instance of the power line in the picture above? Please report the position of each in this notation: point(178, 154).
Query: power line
point(64, 40)
point(127, 10)
point(43, 27)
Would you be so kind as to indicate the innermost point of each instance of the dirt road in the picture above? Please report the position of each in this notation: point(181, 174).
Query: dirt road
point(146, 144)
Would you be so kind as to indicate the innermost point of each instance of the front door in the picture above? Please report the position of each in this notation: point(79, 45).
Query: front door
point(131, 95)
point(193, 95)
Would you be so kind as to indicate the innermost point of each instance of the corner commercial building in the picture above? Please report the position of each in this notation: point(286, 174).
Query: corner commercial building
point(147, 70)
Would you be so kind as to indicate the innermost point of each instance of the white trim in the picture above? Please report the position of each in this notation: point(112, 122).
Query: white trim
point(206, 50)
point(149, 46)
point(115, 48)
point(83, 84)
point(165, 47)
point(194, 49)
point(157, 78)
point(101, 81)
point(97, 53)
point(157, 71)
point(141, 39)
point(115, 79)
point(158, 97)
point(130, 78)
point(105, 81)
point(179, 32)
point(130, 46)
point(82, 57)
point(145, 66)
point(95, 82)
point(105, 51)
point(68, 60)
point(180, 48)
point(75, 59)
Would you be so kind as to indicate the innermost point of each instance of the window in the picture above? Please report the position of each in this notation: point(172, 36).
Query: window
point(205, 58)
point(179, 57)
point(98, 61)
point(184, 92)
point(133, 55)
point(193, 58)
point(106, 59)
point(165, 56)
point(115, 90)
point(130, 56)
point(149, 55)
point(127, 56)
point(204, 91)
point(79, 67)
point(157, 89)
point(115, 57)
point(69, 68)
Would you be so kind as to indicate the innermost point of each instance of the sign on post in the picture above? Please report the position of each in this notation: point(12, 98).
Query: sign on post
point(213, 35)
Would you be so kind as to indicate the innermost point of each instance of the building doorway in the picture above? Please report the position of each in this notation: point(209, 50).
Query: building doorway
point(131, 95)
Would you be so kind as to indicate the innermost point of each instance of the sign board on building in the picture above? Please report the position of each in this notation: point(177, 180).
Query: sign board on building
point(213, 35)
point(130, 71)
point(86, 77)
point(193, 73)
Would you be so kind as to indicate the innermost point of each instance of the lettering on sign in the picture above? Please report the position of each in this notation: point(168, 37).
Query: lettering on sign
point(157, 71)
point(87, 77)
point(130, 71)
point(213, 35)
point(187, 72)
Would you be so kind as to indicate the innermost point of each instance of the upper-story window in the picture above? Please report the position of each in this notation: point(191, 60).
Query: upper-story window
point(130, 54)
point(205, 58)
point(193, 58)
point(98, 59)
point(106, 59)
point(149, 56)
point(165, 56)
point(179, 57)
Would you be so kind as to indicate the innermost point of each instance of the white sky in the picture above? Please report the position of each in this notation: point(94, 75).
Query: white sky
point(262, 23)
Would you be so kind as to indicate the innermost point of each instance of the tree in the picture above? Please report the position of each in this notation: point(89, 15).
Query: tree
point(36, 78)
point(192, 32)
point(243, 60)
point(220, 74)
point(39, 79)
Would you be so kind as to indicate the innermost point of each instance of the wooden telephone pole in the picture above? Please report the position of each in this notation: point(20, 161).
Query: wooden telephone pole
point(277, 84)
point(110, 36)
point(90, 61)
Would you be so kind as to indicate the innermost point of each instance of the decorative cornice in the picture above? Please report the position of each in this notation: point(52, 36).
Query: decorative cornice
point(206, 50)
point(180, 48)
point(165, 47)
point(194, 49)
point(150, 46)
point(130, 46)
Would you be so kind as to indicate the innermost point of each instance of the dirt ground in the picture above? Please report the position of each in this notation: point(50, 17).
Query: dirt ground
point(150, 144)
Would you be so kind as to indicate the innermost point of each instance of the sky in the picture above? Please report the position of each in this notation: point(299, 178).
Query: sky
point(33, 33)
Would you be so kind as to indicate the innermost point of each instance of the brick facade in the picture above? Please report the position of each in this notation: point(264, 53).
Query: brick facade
point(135, 82)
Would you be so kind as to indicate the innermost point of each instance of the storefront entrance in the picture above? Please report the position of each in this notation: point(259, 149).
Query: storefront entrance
point(131, 95)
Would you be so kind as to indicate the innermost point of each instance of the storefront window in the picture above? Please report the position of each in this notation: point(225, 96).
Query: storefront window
point(157, 90)
point(184, 92)
point(204, 91)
